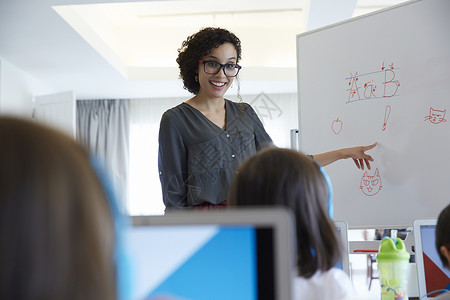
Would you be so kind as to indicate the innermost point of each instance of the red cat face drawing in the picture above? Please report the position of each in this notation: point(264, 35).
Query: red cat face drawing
point(371, 185)
point(436, 116)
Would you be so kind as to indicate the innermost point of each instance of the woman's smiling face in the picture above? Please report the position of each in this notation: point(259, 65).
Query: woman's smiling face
point(215, 86)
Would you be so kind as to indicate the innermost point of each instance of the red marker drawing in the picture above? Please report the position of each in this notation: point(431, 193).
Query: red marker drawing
point(336, 126)
point(387, 112)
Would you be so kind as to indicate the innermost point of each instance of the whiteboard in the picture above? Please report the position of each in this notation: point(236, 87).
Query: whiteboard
point(381, 77)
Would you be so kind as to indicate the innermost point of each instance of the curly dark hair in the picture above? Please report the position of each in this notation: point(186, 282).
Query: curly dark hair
point(198, 45)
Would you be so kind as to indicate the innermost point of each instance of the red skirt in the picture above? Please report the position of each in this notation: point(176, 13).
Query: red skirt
point(208, 206)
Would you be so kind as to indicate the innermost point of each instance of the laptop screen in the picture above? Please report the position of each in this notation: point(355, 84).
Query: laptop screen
point(339, 263)
point(342, 229)
point(186, 260)
point(437, 277)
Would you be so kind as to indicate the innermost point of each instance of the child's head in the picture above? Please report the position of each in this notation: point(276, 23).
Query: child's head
point(285, 177)
point(56, 227)
point(443, 236)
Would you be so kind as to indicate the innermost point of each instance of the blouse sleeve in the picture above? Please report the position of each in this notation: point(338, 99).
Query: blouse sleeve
point(262, 138)
point(172, 163)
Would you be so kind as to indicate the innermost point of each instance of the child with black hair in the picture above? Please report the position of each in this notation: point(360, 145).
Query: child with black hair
point(443, 243)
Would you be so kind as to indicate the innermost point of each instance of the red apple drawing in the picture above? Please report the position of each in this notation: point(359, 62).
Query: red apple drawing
point(336, 126)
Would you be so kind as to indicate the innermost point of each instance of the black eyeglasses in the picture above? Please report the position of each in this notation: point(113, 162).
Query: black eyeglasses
point(211, 67)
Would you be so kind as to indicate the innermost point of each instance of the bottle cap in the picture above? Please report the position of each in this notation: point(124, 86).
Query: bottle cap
point(392, 250)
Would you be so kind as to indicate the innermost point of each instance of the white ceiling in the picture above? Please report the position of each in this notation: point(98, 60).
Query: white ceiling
point(124, 49)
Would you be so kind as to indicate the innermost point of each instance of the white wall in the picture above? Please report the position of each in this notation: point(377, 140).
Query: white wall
point(17, 89)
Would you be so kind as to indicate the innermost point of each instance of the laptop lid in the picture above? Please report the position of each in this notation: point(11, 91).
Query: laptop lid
point(226, 254)
point(431, 274)
point(342, 228)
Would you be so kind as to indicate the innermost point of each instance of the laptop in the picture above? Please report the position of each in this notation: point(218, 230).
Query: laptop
point(228, 254)
point(342, 228)
point(432, 276)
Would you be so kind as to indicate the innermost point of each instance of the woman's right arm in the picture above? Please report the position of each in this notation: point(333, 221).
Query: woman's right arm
point(358, 154)
point(172, 163)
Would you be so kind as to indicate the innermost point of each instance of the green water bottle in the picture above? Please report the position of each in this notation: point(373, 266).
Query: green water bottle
point(393, 264)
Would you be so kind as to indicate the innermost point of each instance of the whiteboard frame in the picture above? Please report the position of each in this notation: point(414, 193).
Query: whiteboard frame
point(299, 89)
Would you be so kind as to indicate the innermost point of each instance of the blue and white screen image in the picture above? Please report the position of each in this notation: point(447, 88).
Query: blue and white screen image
point(193, 262)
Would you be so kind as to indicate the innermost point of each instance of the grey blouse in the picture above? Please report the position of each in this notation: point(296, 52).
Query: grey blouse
point(197, 159)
